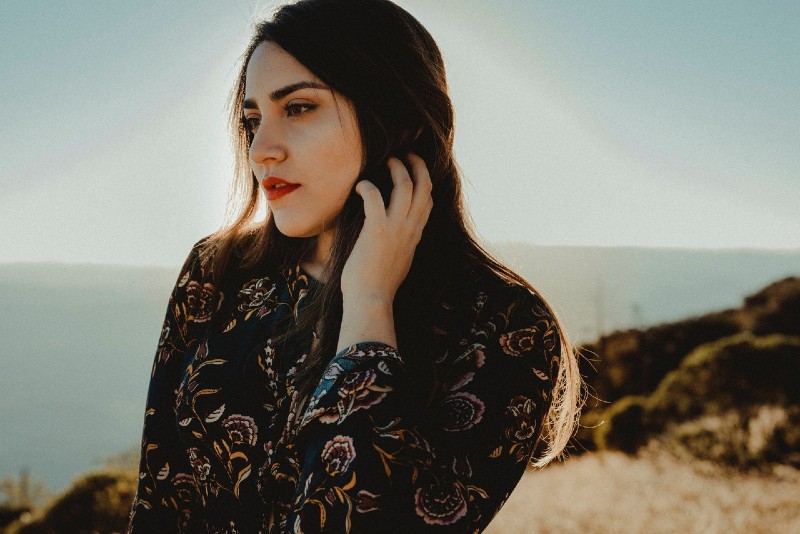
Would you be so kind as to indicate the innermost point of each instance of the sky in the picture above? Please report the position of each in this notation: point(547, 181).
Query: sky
point(659, 124)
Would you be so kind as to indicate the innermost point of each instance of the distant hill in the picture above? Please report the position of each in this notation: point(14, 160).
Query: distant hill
point(80, 339)
point(727, 379)
point(633, 362)
point(597, 290)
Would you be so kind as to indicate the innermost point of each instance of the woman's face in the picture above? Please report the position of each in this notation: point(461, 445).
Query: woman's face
point(301, 137)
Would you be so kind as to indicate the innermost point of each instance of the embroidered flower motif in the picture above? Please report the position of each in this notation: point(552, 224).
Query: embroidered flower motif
point(358, 382)
point(256, 294)
point(337, 454)
point(441, 504)
point(200, 464)
point(199, 307)
point(361, 385)
point(516, 342)
point(241, 429)
point(366, 501)
point(523, 426)
point(461, 411)
point(357, 391)
point(185, 487)
point(550, 337)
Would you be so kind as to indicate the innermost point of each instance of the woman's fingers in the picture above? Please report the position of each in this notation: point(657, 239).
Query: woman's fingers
point(384, 250)
point(402, 190)
point(410, 203)
point(421, 202)
point(373, 201)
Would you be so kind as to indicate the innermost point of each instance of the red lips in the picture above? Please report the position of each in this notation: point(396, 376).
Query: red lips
point(278, 187)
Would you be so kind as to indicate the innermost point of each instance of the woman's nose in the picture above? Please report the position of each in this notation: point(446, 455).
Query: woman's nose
point(266, 145)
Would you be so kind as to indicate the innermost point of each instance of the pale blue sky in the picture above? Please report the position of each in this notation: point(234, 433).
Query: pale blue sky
point(578, 123)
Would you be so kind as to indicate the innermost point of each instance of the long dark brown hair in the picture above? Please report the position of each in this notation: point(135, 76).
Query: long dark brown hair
point(384, 61)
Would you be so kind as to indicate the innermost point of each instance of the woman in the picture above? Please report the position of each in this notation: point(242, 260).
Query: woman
point(355, 362)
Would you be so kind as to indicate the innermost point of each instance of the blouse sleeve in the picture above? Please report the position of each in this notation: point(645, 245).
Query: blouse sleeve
point(166, 494)
point(371, 463)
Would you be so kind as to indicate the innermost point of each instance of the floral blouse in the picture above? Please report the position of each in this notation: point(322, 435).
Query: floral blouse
point(224, 449)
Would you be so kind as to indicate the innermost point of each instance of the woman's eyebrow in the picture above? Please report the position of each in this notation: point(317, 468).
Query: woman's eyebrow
point(278, 94)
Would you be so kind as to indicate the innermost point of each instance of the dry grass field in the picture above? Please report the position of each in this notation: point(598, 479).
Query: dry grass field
point(654, 492)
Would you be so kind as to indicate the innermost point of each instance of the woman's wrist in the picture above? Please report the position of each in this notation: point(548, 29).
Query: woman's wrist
point(366, 319)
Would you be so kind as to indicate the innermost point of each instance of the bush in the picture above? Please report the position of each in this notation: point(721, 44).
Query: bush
point(9, 513)
point(735, 401)
point(765, 435)
point(737, 372)
point(634, 362)
point(95, 503)
point(624, 425)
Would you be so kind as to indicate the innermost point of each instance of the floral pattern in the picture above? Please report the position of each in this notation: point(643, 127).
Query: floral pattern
point(522, 425)
point(241, 429)
point(258, 296)
point(338, 454)
point(441, 504)
point(463, 410)
point(198, 306)
point(228, 445)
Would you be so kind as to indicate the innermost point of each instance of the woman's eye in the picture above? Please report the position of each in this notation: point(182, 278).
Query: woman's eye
point(293, 110)
point(251, 124)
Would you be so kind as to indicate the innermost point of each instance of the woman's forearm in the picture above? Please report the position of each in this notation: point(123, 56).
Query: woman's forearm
point(366, 319)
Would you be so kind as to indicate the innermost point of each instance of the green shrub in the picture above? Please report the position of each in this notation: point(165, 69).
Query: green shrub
point(9, 513)
point(734, 401)
point(765, 435)
point(624, 425)
point(634, 362)
point(95, 503)
point(737, 372)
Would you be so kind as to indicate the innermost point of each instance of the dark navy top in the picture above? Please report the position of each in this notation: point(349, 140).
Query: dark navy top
point(225, 448)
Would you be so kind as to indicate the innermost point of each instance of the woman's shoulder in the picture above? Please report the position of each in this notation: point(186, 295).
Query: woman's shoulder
point(192, 269)
point(495, 291)
point(499, 314)
point(199, 256)
point(224, 253)
point(197, 273)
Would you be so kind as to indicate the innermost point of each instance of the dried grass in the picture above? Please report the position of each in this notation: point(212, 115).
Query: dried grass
point(655, 492)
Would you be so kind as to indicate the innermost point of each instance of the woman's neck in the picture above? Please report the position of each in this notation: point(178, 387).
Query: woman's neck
point(314, 262)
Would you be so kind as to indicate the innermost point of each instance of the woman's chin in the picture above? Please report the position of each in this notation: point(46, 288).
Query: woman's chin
point(301, 229)
point(291, 230)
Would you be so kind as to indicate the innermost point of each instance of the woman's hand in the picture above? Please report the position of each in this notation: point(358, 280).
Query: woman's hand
point(382, 255)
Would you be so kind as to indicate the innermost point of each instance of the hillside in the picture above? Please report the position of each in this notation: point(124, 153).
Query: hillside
point(728, 368)
point(634, 361)
point(598, 290)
